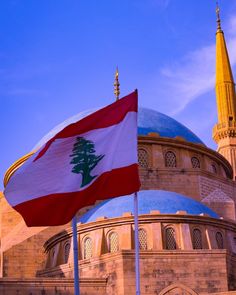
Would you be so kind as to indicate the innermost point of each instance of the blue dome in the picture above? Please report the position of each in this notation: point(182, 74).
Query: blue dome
point(148, 121)
point(153, 121)
point(164, 201)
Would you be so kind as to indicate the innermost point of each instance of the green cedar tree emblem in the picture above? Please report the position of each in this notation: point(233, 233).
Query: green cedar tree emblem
point(84, 159)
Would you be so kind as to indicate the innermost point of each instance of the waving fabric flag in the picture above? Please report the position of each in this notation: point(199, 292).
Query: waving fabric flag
point(92, 159)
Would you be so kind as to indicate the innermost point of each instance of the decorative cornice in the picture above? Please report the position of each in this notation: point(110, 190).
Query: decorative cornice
point(12, 169)
point(47, 282)
point(223, 130)
point(145, 218)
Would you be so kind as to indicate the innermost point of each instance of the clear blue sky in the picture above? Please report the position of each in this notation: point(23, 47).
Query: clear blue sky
point(58, 57)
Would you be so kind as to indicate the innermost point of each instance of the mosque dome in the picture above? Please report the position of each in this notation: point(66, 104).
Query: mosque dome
point(164, 201)
point(152, 121)
point(149, 121)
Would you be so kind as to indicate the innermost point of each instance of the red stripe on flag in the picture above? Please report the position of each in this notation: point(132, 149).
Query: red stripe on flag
point(58, 209)
point(105, 117)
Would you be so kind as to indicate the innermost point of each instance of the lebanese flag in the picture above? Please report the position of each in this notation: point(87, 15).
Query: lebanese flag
point(92, 159)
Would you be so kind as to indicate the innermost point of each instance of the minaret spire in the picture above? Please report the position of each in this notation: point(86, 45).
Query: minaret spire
point(218, 17)
point(117, 84)
point(224, 132)
point(225, 88)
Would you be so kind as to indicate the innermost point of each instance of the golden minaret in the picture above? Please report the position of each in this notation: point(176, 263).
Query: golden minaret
point(224, 132)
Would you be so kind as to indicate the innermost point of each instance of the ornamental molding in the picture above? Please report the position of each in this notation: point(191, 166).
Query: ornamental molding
point(178, 286)
point(223, 132)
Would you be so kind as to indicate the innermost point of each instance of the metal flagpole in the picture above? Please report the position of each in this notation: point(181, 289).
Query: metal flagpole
point(136, 238)
point(137, 270)
point(76, 257)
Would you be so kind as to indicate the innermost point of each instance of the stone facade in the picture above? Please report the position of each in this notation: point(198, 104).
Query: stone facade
point(209, 269)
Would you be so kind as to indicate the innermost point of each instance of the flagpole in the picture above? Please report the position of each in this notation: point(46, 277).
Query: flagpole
point(136, 238)
point(76, 257)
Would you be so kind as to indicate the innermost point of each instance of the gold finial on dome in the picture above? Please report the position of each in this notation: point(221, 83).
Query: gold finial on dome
point(218, 16)
point(117, 85)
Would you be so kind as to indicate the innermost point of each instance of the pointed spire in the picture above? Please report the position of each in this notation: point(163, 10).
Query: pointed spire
point(223, 67)
point(224, 132)
point(225, 88)
point(218, 17)
point(117, 85)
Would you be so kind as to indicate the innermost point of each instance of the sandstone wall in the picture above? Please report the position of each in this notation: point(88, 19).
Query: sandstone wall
point(51, 287)
point(202, 271)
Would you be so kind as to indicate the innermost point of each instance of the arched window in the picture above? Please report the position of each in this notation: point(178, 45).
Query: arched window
point(213, 168)
point(142, 236)
point(219, 240)
point(195, 162)
point(66, 252)
point(197, 239)
point(170, 238)
point(87, 248)
point(53, 257)
point(142, 158)
point(234, 246)
point(170, 159)
point(113, 243)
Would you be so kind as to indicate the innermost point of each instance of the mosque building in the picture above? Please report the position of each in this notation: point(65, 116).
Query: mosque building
point(187, 217)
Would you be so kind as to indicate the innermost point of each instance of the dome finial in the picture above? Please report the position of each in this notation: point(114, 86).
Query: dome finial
point(218, 17)
point(117, 85)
